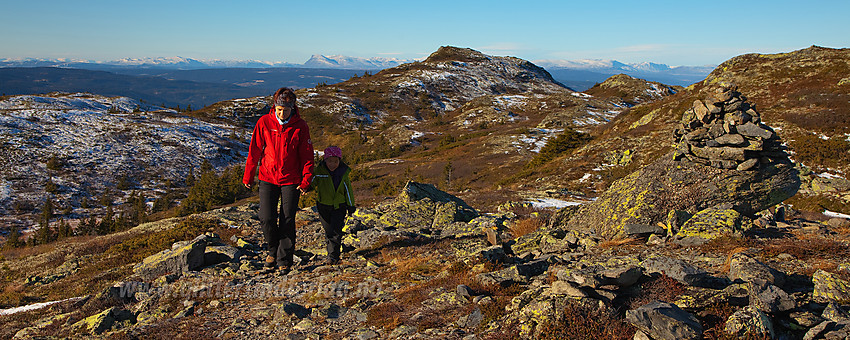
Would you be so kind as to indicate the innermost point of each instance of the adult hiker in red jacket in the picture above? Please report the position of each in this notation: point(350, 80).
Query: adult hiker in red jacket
point(282, 149)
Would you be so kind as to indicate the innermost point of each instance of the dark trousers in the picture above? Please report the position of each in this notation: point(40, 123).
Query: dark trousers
point(332, 221)
point(279, 225)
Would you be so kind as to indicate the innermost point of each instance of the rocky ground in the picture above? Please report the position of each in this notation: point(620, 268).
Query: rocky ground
point(426, 265)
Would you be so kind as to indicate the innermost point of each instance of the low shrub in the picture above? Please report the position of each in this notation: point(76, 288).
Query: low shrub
point(567, 141)
point(578, 321)
point(812, 150)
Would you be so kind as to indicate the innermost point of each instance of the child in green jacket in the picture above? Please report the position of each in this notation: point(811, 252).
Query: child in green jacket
point(333, 185)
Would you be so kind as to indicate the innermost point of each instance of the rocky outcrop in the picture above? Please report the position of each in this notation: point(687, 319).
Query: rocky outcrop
point(648, 195)
point(182, 257)
point(419, 212)
point(725, 161)
point(418, 280)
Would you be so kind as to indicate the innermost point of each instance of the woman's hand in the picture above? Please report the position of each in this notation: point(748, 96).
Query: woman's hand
point(248, 185)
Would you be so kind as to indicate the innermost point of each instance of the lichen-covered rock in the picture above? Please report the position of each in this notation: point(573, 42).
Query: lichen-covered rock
point(183, 257)
point(675, 219)
point(414, 191)
point(534, 312)
point(442, 299)
point(662, 320)
point(420, 208)
point(550, 239)
point(504, 277)
point(648, 195)
point(749, 321)
point(829, 330)
point(834, 312)
point(708, 224)
point(830, 288)
point(372, 239)
point(103, 321)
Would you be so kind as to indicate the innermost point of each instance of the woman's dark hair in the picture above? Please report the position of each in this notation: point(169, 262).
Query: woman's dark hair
point(287, 95)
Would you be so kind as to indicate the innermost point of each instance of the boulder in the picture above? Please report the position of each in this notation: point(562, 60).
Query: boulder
point(649, 194)
point(420, 208)
point(749, 321)
point(834, 312)
point(769, 298)
point(829, 330)
point(223, 253)
point(829, 287)
point(472, 320)
point(745, 268)
point(183, 257)
point(675, 268)
point(642, 230)
point(451, 205)
point(103, 321)
point(598, 276)
point(708, 224)
point(662, 320)
point(502, 278)
point(372, 239)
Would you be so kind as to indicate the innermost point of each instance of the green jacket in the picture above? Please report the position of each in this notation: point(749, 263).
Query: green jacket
point(324, 185)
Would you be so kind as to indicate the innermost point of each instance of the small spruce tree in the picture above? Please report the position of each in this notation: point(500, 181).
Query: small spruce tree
point(64, 230)
point(14, 239)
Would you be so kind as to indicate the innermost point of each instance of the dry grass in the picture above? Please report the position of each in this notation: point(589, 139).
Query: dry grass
point(387, 315)
point(663, 288)
point(807, 249)
point(726, 244)
point(105, 259)
point(728, 263)
point(713, 320)
point(526, 226)
point(579, 322)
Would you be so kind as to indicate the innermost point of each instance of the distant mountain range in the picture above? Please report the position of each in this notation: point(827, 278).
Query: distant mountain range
point(180, 81)
point(580, 73)
point(182, 63)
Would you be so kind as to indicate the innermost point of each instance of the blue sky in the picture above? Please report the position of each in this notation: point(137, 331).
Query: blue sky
point(669, 32)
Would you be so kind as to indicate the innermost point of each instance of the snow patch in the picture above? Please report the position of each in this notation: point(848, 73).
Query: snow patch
point(34, 306)
point(510, 101)
point(5, 189)
point(835, 214)
point(551, 203)
point(829, 176)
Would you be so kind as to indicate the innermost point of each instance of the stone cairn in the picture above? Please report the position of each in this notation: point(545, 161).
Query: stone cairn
point(725, 131)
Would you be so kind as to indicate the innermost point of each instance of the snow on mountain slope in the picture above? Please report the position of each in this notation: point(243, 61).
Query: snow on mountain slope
point(98, 141)
point(340, 61)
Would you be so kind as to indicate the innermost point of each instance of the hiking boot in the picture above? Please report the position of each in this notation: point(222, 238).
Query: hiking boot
point(283, 270)
point(331, 261)
point(269, 263)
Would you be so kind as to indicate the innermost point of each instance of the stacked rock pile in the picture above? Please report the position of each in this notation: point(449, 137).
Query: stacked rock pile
point(725, 131)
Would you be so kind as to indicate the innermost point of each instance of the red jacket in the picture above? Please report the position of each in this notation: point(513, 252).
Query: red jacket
point(284, 153)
